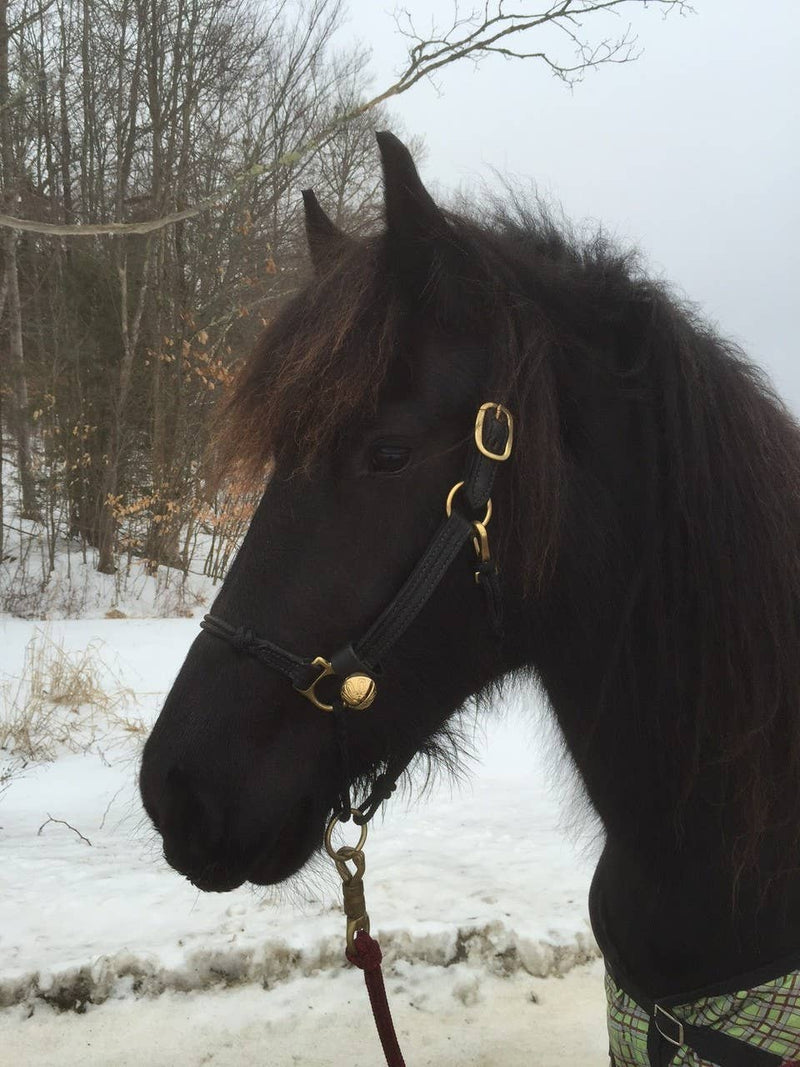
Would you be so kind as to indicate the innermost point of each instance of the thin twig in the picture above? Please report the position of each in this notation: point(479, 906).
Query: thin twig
point(108, 806)
point(62, 822)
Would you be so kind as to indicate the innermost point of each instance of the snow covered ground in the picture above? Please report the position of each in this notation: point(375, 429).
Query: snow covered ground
point(449, 1017)
point(473, 891)
point(72, 587)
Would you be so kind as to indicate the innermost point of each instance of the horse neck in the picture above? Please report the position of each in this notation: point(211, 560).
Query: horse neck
point(593, 640)
point(665, 632)
point(615, 710)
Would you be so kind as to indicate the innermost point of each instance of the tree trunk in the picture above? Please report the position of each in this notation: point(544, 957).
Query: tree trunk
point(18, 420)
point(18, 385)
point(3, 294)
point(130, 339)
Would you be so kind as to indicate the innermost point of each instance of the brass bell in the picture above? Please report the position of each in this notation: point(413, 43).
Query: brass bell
point(358, 691)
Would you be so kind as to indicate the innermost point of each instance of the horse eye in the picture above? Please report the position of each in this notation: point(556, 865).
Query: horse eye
point(388, 459)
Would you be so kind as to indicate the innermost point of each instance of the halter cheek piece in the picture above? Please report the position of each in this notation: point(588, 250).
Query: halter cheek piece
point(358, 663)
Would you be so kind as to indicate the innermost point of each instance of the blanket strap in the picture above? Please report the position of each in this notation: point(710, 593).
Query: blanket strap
point(667, 1034)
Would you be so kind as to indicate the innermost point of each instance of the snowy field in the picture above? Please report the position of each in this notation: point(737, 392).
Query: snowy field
point(476, 891)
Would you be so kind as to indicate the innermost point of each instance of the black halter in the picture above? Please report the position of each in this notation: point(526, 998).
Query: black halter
point(358, 664)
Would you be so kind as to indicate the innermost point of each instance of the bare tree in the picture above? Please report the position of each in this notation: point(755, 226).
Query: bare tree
point(181, 130)
point(565, 44)
point(128, 110)
point(489, 30)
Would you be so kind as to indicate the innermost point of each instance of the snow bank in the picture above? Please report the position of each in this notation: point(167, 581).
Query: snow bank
point(482, 879)
point(494, 949)
point(444, 1018)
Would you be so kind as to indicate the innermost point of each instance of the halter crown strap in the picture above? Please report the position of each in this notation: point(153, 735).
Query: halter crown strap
point(417, 590)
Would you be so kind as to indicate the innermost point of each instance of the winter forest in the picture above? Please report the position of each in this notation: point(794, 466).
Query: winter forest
point(117, 348)
point(119, 339)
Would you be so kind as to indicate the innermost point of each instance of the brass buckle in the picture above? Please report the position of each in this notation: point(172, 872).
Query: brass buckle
point(311, 693)
point(500, 412)
point(659, 1011)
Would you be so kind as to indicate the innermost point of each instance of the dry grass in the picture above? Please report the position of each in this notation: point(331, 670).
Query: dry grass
point(62, 700)
point(11, 767)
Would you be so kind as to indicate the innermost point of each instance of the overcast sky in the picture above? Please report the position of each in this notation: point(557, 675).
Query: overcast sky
point(691, 153)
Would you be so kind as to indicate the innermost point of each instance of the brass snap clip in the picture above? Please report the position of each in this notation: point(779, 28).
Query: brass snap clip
point(311, 693)
point(480, 542)
point(355, 907)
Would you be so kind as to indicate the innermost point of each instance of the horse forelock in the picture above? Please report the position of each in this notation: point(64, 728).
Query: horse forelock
point(316, 368)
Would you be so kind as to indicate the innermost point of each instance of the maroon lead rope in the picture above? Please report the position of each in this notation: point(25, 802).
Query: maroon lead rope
point(362, 950)
point(367, 955)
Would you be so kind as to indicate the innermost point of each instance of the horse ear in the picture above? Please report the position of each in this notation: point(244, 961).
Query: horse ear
point(418, 232)
point(411, 213)
point(325, 240)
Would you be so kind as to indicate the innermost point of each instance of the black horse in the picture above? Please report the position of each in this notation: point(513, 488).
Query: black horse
point(647, 528)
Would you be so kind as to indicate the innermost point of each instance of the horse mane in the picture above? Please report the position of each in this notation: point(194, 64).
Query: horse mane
point(717, 581)
point(721, 583)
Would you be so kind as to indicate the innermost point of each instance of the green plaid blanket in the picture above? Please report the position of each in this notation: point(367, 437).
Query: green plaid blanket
point(766, 1017)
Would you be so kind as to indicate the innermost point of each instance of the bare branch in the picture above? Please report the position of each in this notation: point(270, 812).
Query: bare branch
point(18, 26)
point(487, 31)
point(62, 822)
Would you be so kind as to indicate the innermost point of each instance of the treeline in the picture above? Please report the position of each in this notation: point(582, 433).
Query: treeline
point(116, 348)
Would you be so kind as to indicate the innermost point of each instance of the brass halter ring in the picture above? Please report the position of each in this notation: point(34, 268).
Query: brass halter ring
point(451, 497)
point(362, 840)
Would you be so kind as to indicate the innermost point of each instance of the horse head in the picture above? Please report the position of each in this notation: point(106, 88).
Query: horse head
point(361, 397)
